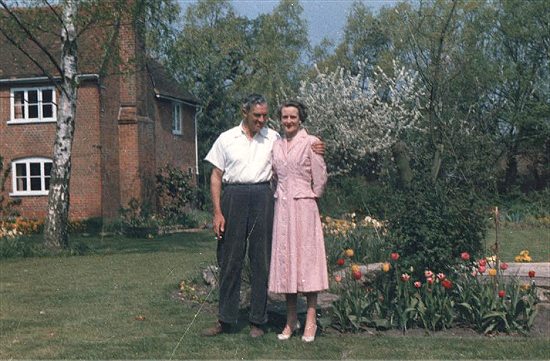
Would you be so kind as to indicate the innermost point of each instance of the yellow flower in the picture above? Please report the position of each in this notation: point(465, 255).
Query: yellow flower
point(492, 272)
point(349, 252)
point(386, 267)
point(525, 287)
point(523, 256)
point(355, 268)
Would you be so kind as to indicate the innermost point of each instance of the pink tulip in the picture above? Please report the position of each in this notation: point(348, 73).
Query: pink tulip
point(465, 256)
point(428, 273)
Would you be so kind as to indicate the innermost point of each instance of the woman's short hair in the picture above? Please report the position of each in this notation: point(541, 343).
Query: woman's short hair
point(302, 110)
point(251, 100)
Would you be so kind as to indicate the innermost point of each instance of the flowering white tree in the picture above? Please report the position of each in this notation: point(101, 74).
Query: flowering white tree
point(356, 115)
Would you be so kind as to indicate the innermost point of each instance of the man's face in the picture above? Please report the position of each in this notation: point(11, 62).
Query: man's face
point(256, 117)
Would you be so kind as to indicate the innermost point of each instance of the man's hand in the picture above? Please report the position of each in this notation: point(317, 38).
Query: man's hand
point(218, 223)
point(318, 147)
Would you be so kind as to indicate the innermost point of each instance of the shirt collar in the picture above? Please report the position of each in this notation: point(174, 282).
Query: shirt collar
point(263, 132)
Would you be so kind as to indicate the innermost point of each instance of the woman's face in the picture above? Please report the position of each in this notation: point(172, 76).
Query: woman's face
point(290, 121)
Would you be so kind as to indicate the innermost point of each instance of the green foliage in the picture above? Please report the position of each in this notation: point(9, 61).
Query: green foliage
point(221, 57)
point(137, 220)
point(15, 247)
point(8, 206)
point(430, 224)
point(349, 311)
point(174, 195)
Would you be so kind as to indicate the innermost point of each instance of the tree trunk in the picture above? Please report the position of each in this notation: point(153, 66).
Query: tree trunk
point(56, 226)
point(402, 161)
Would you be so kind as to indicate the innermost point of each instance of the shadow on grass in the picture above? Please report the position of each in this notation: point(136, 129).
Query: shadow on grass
point(32, 245)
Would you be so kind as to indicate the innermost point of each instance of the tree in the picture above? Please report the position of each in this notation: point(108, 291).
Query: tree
point(521, 48)
point(208, 57)
point(221, 57)
point(358, 115)
point(24, 25)
point(279, 45)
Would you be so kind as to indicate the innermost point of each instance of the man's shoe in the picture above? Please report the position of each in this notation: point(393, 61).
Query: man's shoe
point(220, 327)
point(256, 331)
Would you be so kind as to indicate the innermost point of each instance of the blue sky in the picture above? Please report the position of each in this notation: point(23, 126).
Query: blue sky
point(326, 18)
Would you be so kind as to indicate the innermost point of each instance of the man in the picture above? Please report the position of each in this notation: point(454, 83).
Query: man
point(241, 157)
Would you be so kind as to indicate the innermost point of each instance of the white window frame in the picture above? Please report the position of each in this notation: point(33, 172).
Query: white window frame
point(15, 177)
point(40, 104)
point(177, 118)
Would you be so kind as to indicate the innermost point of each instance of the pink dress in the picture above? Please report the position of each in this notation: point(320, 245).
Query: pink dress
point(298, 260)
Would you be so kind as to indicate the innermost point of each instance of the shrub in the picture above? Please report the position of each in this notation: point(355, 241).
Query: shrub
point(137, 220)
point(174, 194)
point(430, 224)
point(8, 207)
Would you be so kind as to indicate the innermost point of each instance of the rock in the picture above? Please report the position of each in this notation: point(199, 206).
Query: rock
point(210, 275)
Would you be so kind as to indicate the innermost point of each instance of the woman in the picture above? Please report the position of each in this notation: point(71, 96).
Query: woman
point(298, 262)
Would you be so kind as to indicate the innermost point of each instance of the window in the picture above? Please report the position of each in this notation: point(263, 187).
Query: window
point(31, 105)
point(176, 119)
point(31, 176)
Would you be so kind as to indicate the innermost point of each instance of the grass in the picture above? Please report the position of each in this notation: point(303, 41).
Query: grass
point(85, 307)
point(513, 238)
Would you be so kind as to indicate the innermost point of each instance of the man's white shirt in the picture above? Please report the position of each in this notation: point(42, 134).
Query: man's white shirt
point(243, 160)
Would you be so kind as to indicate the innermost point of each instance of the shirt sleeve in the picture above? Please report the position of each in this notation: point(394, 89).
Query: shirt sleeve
point(216, 155)
point(318, 171)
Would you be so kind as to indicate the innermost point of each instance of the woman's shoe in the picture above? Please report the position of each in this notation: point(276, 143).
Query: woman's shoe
point(308, 329)
point(288, 331)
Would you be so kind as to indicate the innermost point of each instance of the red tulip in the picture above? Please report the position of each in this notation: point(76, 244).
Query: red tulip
point(340, 261)
point(447, 284)
point(441, 276)
point(356, 275)
point(482, 262)
point(465, 256)
point(504, 266)
point(531, 274)
point(481, 269)
point(417, 284)
point(394, 256)
point(405, 277)
point(501, 293)
point(430, 280)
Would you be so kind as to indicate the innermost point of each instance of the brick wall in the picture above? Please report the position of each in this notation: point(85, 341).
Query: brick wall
point(36, 140)
point(176, 150)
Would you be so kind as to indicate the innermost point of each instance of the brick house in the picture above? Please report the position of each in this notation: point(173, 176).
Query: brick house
point(130, 122)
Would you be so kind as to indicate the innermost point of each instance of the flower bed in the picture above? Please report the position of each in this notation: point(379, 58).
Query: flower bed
point(475, 294)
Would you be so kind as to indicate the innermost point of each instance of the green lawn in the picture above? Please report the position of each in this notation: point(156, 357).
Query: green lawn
point(85, 307)
point(515, 238)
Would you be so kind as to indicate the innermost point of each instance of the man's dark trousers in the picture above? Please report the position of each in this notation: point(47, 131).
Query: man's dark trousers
point(248, 213)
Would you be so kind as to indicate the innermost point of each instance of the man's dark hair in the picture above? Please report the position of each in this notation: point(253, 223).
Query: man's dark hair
point(251, 100)
point(302, 111)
